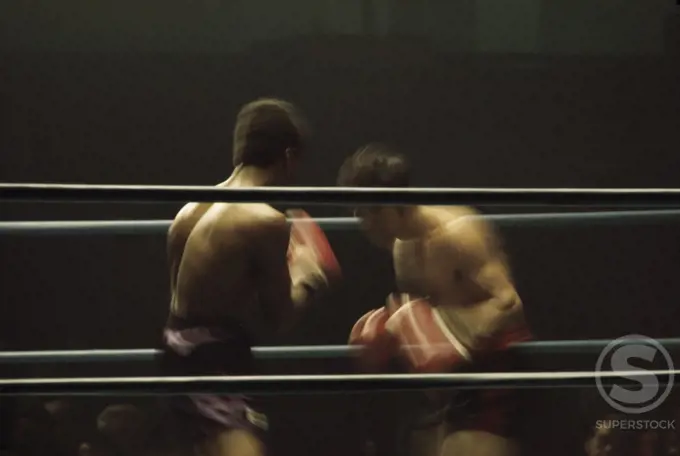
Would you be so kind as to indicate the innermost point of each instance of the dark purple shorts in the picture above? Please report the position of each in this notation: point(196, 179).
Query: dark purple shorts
point(200, 348)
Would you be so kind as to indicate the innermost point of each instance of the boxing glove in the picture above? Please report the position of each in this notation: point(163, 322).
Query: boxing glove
point(426, 342)
point(395, 300)
point(370, 332)
point(379, 346)
point(310, 257)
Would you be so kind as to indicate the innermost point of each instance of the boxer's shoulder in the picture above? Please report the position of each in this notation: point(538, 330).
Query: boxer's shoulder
point(185, 221)
point(460, 224)
point(260, 213)
point(451, 221)
point(444, 215)
point(230, 224)
point(251, 215)
point(262, 222)
point(462, 218)
point(265, 217)
point(190, 214)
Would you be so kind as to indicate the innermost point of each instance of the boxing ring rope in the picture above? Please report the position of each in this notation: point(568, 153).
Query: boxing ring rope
point(343, 196)
point(298, 352)
point(294, 384)
point(140, 227)
point(92, 227)
point(320, 195)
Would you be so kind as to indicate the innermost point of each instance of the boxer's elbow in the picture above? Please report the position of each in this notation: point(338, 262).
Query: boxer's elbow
point(508, 301)
point(509, 311)
point(505, 311)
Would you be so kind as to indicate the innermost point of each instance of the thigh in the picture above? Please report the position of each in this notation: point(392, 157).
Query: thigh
point(235, 442)
point(426, 442)
point(478, 443)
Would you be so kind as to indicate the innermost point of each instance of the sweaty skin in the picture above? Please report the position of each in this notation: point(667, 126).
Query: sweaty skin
point(229, 260)
point(460, 266)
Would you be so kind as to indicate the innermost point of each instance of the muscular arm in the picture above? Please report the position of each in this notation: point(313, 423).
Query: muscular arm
point(468, 258)
point(279, 297)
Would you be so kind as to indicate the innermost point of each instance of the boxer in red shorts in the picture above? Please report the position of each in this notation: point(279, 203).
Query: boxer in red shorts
point(238, 271)
point(457, 307)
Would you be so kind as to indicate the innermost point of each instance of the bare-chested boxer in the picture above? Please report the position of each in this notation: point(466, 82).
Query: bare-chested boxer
point(239, 270)
point(457, 307)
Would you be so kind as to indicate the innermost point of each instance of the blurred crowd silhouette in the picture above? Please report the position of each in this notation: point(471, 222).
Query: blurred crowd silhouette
point(70, 427)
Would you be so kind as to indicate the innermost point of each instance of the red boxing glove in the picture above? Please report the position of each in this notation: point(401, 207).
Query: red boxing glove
point(306, 234)
point(395, 300)
point(309, 253)
point(426, 342)
point(379, 346)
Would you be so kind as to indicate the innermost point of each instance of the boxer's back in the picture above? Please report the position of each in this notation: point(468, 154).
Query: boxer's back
point(211, 262)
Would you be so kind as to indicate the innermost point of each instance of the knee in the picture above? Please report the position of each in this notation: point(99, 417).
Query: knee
point(238, 443)
point(478, 443)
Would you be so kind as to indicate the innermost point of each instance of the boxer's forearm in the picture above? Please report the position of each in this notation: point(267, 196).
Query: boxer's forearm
point(479, 325)
point(305, 287)
point(300, 298)
point(301, 295)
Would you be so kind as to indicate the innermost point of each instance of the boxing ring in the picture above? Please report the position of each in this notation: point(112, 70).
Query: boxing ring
point(627, 203)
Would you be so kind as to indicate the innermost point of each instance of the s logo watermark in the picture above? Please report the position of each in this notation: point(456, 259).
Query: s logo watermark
point(617, 356)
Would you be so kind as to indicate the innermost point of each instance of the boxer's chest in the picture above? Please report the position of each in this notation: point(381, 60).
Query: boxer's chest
point(408, 262)
point(420, 269)
point(414, 266)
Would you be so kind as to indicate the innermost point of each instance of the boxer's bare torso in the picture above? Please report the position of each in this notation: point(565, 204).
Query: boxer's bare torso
point(461, 267)
point(216, 253)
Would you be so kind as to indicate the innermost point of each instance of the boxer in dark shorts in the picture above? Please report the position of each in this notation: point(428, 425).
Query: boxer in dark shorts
point(238, 271)
point(466, 417)
point(195, 347)
point(457, 307)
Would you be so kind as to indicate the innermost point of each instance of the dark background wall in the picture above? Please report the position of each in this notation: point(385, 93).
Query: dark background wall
point(478, 94)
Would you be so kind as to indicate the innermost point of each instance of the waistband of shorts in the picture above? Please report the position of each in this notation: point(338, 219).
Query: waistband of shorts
point(222, 324)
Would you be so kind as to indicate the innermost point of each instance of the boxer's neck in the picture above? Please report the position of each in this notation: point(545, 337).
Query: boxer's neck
point(252, 176)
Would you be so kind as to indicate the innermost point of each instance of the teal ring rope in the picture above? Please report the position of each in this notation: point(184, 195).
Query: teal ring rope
point(145, 227)
point(343, 196)
point(296, 384)
point(297, 352)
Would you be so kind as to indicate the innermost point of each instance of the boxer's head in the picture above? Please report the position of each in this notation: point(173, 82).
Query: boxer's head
point(270, 134)
point(377, 165)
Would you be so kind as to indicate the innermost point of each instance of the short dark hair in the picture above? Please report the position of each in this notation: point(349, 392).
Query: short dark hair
point(375, 165)
point(265, 129)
